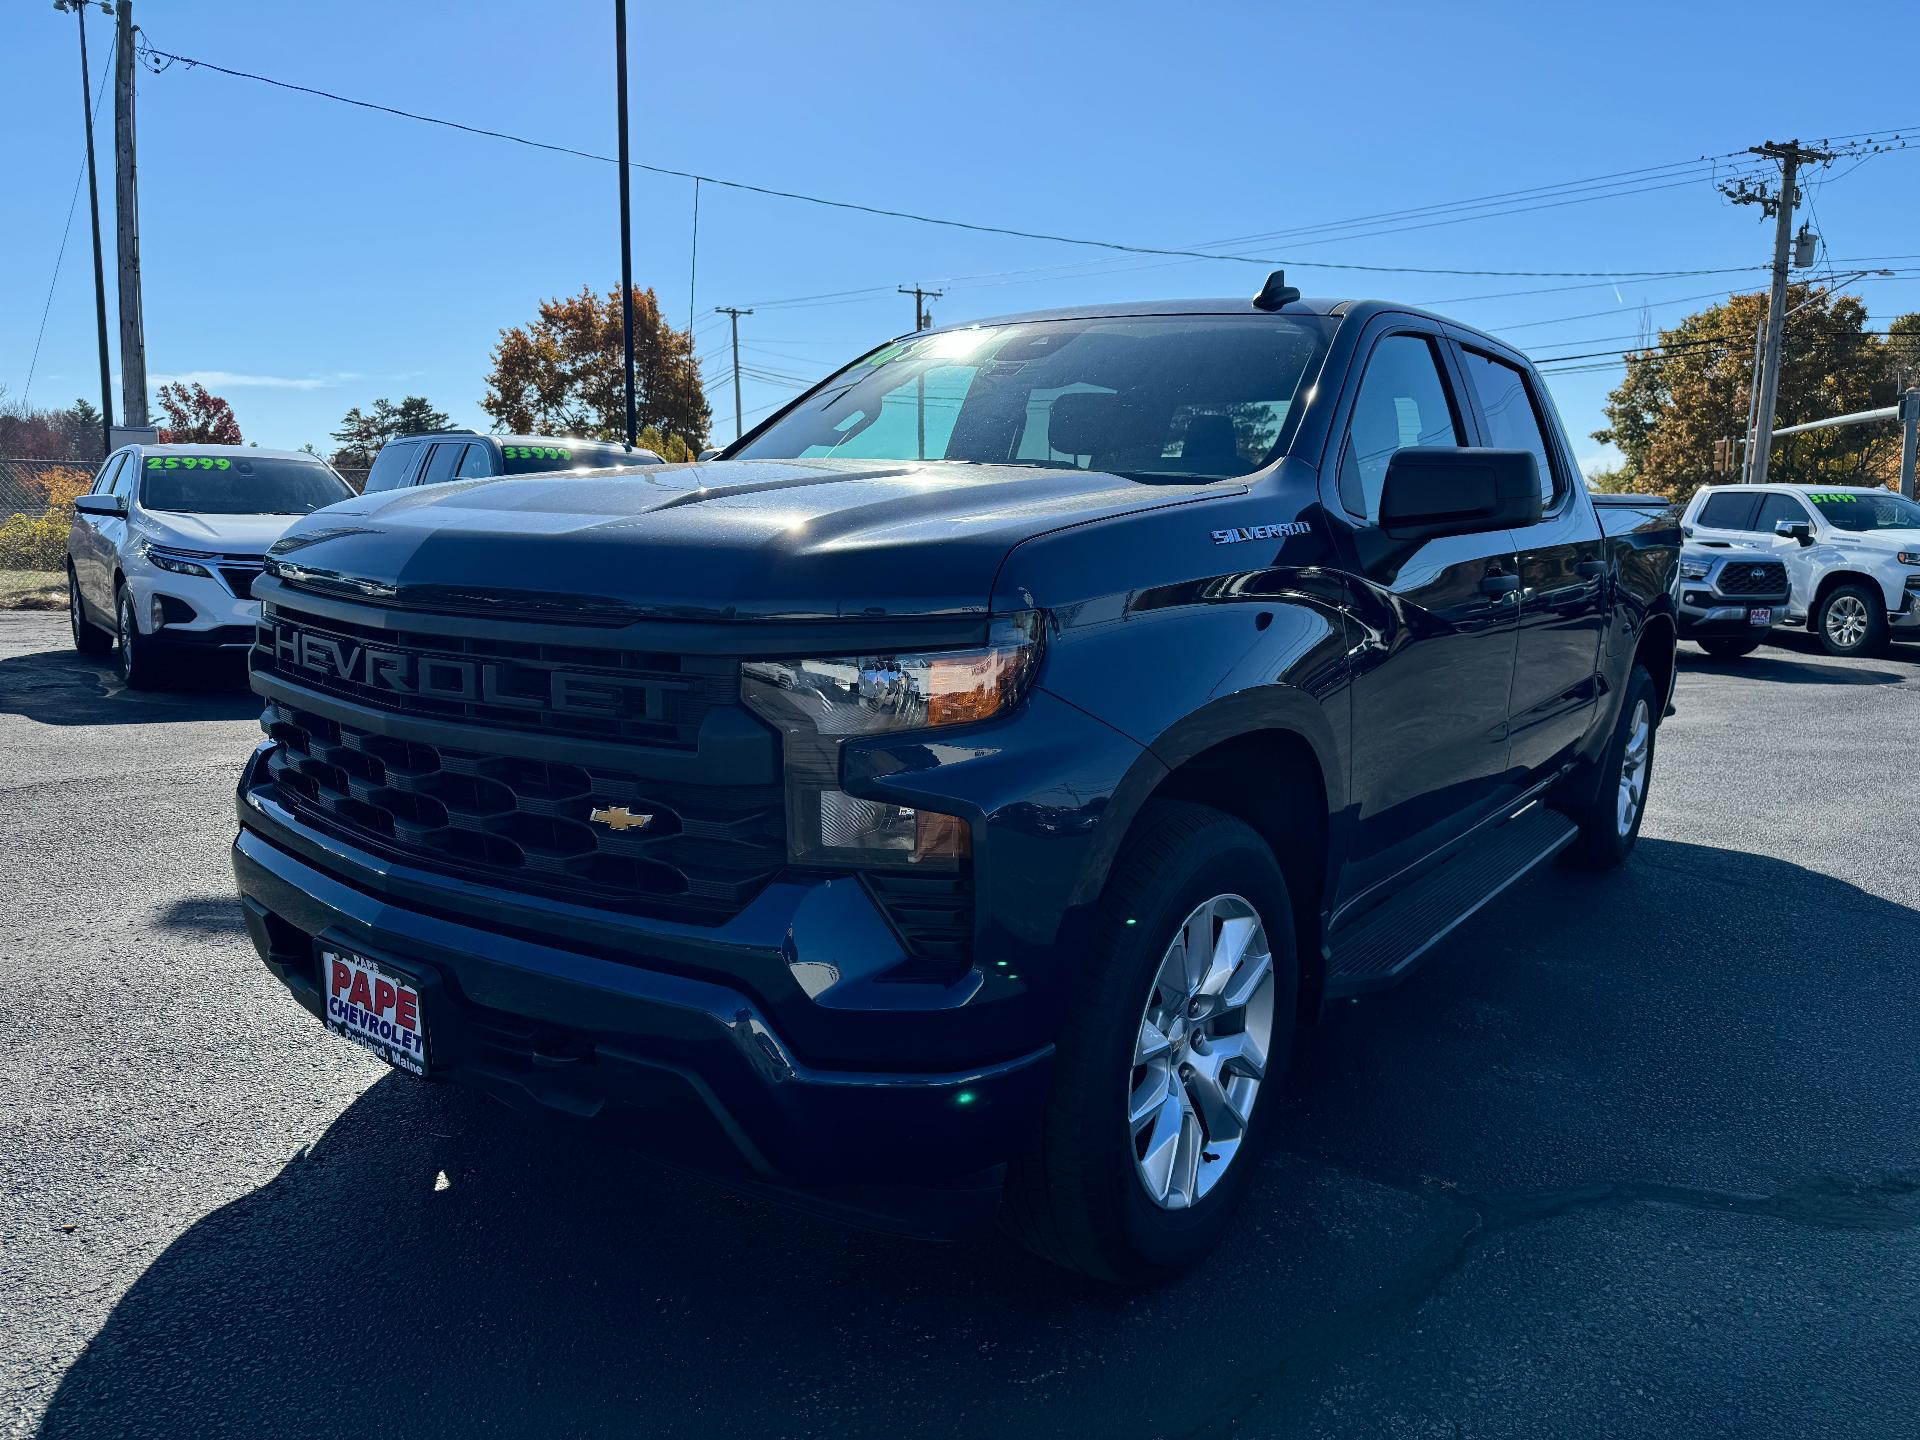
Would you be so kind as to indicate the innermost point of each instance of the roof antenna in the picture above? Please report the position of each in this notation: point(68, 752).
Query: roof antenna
point(1275, 293)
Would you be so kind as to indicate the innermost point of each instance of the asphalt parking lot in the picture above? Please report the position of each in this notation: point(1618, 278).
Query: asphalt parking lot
point(1632, 1155)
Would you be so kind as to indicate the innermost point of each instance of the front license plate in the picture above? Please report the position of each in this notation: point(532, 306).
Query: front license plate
point(1760, 615)
point(375, 1007)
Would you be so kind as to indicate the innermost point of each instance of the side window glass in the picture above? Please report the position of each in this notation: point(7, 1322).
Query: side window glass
point(1402, 402)
point(1776, 508)
point(1511, 419)
point(475, 462)
point(1728, 512)
point(127, 480)
point(109, 472)
point(441, 463)
point(390, 468)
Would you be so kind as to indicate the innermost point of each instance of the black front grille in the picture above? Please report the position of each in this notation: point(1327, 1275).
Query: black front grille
point(588, 692)
point(240, 578)
point(700, 854)
point(932, 913)
point(1752, 577)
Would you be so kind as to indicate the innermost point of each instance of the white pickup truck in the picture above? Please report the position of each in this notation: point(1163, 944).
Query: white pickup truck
point(1852, 555)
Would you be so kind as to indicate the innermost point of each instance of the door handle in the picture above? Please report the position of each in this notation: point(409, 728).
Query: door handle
point(1591, 569)
point(1495, 583)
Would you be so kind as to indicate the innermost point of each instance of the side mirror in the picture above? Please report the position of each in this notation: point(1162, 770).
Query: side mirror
point(1800, 530)
point(1432, 491)
point(712, 452)
point(101, 504)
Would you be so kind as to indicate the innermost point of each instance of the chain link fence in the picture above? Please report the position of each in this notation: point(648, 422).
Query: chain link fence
point(29, 487)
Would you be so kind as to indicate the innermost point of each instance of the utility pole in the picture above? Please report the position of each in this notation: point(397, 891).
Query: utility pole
point(626, 208)
point(1909, 438)
point(126, 211)
point(921, 320)
point(79, 8)
point(1780, 206)
point(733, 313)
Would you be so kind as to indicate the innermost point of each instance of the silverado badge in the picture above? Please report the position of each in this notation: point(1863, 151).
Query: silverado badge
point(618, 817)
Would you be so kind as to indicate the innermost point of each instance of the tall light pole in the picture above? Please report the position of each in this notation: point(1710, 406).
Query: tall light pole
point(79, 8)
point(626, 208)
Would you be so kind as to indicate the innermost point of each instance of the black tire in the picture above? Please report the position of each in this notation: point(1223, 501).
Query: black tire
point(1604, 842)
point(1077, 1197)
point(137, 663)
point(1851, 620)
point(1729, 649)
point(88, 638)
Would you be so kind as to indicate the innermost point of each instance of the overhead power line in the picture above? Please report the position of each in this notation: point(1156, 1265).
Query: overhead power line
point(161, 59)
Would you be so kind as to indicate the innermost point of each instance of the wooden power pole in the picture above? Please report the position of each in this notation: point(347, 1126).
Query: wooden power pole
point(126, 209)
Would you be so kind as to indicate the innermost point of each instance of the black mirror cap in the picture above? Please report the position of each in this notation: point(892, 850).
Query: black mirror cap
point(1445, 490)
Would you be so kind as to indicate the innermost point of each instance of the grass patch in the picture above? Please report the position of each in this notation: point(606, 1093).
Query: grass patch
point(33, 590)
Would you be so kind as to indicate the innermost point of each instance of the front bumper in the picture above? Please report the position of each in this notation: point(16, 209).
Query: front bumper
point(218, 619)
point(545, 1018)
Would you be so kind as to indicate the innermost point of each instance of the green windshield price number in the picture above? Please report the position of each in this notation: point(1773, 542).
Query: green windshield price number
point(187, 462)
point(1829, 497)
point(536, 452)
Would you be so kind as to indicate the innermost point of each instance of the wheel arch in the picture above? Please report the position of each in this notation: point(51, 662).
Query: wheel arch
point(1832, 581)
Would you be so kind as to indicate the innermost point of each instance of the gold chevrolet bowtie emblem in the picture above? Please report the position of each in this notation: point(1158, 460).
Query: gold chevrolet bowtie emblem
point(618, 817)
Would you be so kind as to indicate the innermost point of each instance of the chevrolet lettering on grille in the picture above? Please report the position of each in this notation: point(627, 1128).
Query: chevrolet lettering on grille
point(519, 685)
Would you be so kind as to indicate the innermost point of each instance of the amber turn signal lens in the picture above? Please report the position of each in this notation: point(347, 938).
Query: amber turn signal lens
point(973, 686)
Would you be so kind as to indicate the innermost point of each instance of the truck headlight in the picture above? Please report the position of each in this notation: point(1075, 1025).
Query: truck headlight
point(1907, 557)
point(817, 705)
point(1694, 569)
point(180, 562)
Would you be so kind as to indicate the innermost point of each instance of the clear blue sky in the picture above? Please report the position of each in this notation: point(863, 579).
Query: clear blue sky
point(304, 257)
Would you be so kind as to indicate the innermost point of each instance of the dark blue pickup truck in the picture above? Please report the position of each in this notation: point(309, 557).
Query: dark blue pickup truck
point(958, 795)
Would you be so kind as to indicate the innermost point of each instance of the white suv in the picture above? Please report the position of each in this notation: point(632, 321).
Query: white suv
point(1852, 554)
point(163, 550)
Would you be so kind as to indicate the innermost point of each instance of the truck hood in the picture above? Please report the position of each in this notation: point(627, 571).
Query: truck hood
point(1878, 542)
point(227, 534)
point(740, 539)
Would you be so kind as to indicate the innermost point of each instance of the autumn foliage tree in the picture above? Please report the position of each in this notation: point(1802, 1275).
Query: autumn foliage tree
point(1691, 389)
point(362, 433)
point(564, 374)
point(196, 416)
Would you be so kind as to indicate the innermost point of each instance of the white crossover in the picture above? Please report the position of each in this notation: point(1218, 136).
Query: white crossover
point(164, 548)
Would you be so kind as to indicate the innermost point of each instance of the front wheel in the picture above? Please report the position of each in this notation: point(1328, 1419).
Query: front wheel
point(1729, 649)
point(1183, 1021)
point(1852, 620)
point(137, 666)
point(1610, 822)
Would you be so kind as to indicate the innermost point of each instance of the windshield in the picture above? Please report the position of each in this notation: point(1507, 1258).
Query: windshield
point(238, 485)
point(534, 457)
point(1190, 397)
point(1848, 510)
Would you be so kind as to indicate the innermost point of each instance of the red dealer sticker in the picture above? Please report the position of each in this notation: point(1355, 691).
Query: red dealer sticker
point(374, 1007)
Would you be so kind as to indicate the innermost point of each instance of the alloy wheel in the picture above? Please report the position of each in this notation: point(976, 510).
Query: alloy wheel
point(1633, 765)
point(128, 635)
point(1201, 1052)
point(1846, 621)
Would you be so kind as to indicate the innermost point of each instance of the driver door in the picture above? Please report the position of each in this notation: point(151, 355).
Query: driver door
point(1438, 628)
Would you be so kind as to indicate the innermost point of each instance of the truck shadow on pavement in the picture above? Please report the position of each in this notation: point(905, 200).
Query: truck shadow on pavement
point(63, 688)
point(434, 1265)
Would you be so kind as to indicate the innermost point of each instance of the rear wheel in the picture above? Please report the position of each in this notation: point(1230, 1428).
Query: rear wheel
point(88, 638)
point(1184, 1020)
point(1729, 649)
point(1852, 620)
point(1610, 822)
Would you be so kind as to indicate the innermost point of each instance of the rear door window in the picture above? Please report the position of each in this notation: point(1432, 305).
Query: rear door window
point(124, 478)
point(1510, 418)
point(1402, 402)
point(109, 472)
point(441, 463)
point(391, 466)
point(1729, 511)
